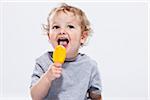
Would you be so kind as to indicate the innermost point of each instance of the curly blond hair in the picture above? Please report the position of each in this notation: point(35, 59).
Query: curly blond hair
point(85, 24)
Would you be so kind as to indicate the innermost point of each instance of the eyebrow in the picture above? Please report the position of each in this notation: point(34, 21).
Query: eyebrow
point(53, 22)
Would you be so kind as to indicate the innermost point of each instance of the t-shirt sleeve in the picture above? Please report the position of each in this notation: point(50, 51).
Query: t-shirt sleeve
point(95, 81)
point(37, 73)
point(42, 64)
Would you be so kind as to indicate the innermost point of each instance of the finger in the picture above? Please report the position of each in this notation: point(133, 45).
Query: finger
point(57, 64)
point(57, 75)
point(57, 69)
point(58, 72)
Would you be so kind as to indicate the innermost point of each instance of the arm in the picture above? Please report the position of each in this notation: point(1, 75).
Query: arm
point(40, 89)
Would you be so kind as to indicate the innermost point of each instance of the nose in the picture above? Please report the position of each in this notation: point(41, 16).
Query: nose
point(62, 31)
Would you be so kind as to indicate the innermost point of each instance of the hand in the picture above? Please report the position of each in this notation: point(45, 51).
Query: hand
point(55, 71)
point(95, 96)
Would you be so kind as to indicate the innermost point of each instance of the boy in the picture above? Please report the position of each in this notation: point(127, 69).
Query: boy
point(78, 76)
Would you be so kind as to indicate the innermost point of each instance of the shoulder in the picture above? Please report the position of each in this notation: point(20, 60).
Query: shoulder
point(44, 59)
point(87, 60)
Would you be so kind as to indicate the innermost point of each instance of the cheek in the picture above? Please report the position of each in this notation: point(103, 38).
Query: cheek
point(76, 41)
point(51, 36)
point(76, 38)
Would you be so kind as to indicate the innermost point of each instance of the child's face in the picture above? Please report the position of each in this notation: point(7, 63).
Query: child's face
point(65, 29)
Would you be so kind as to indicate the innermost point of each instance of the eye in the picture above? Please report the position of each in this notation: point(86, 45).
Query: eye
point(71, 26)
point(55, 27)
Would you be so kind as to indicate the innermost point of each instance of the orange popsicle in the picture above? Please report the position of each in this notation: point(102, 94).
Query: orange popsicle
point(59, 54)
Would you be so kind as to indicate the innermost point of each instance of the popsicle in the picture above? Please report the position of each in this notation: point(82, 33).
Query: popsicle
point(59, 54)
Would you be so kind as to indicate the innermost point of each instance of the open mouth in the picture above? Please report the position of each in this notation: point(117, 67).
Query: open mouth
point(63, 41)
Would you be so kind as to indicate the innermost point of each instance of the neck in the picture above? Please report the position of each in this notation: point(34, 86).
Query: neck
point(72, 57)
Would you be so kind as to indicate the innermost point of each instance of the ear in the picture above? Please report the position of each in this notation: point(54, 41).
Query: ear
point(84, 36)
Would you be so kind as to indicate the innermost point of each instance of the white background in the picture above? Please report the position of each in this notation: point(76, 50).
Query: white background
point(119, 44)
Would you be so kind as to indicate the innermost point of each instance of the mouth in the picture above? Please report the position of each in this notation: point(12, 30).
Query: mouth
point(63, 41)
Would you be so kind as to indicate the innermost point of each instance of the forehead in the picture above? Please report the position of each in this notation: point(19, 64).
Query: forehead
point(65, 16)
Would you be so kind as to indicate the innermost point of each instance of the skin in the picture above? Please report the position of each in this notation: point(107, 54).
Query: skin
point(94, 96)
point(69, 27)
point(61, 25)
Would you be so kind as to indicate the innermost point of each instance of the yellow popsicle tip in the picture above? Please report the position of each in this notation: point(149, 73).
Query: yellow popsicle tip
point(59, 54)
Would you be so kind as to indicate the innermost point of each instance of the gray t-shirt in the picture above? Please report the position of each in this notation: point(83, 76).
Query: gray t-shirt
point(79, 76)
